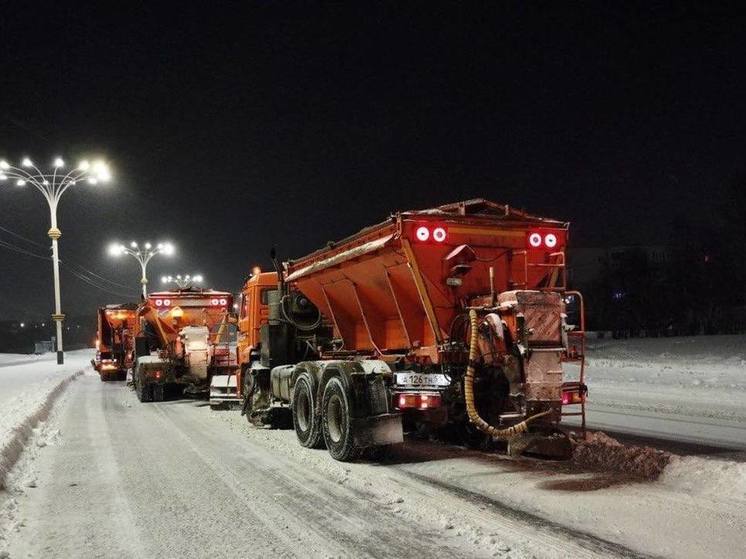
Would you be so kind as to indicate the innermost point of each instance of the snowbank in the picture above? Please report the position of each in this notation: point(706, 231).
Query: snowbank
point(697, 361)
point(28, 388)
point(718, 480)
point(8, 359)
point(688, 389)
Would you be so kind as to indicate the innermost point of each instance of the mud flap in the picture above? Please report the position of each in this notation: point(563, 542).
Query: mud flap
point(377, 430)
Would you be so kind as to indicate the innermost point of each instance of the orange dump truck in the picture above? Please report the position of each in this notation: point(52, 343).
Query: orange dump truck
point(183, 338)
point(448, 320)
point(115, 341)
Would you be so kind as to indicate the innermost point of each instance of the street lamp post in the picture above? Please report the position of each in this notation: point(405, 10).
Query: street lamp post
point(52, 186)
point(183, 282)
point(143, 255)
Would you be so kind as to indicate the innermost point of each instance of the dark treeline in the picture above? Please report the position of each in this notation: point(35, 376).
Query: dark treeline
point(698, 288)
point(18, 337)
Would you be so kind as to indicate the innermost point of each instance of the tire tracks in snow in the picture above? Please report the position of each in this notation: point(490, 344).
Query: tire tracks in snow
point(544, 535)
point(548, 529)
point(341, 518)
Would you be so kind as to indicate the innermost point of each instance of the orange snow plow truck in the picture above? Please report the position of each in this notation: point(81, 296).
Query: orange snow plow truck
point(115, 341)
point(183, 338)
point(450, 320)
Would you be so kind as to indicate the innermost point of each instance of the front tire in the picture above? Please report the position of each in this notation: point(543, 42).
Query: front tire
point(335, 420)
point(305, 419)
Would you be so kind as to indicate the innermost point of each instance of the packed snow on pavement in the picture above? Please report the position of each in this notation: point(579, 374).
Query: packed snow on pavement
point(28, 384)
point(425, 498)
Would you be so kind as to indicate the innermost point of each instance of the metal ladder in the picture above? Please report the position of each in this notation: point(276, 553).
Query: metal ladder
point(575, 352)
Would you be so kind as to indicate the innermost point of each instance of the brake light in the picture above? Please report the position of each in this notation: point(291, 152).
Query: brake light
point(215, 302)
point(223, 302)
point(159, 302)
point(572, 397)
point(416, 400)
point(544, 239)
point(439, 234)
point(167, 302)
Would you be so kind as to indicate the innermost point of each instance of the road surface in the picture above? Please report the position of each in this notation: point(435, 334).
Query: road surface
point(176, 479)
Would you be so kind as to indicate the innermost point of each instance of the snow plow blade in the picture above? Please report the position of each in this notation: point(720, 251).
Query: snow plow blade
point(223, 390)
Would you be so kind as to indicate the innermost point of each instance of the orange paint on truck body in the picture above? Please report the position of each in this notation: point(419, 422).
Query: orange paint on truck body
point(395, 288)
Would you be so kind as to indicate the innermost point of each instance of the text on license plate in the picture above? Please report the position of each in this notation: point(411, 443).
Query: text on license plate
point(417, 379)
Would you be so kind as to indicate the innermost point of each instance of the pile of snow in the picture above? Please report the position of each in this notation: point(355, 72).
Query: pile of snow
point(712, 478)
point(603, 453)
point(28, 387)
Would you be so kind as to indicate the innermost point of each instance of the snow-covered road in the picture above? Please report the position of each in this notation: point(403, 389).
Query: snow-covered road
point(682, 394)
point(175, 479)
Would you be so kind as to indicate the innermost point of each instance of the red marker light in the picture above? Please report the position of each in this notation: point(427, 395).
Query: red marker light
point(534, 239)
point(416, 400)
point(422, 233)
point(439, 234)
point(214, 302)
point(158, 302)
point(167, 302)
point(223, 302)
point(550, 240)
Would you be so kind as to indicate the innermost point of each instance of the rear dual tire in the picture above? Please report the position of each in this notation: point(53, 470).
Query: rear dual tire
point(143, 390)
point(335, 421)
point(306, 418)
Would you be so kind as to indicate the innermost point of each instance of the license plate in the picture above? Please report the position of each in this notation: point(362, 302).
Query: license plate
point(418, 379)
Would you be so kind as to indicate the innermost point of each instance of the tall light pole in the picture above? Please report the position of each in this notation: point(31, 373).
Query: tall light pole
point(52, 186)
point(183, 282)
point(143, 255)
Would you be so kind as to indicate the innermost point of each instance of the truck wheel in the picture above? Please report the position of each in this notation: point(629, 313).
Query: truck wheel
point(336, 422)
point(305, 420)
point(143, 390)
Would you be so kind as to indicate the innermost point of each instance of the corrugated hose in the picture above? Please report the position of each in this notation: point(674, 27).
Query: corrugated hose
point(471, 409)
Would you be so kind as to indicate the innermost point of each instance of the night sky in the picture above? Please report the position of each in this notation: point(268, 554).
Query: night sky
point(233, 127)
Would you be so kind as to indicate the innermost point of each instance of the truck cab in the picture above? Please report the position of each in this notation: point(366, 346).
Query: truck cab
point(253, 312)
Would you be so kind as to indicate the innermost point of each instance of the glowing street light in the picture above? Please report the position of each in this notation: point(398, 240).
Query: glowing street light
point(52, 185)
point(143, 255)
point(183, 282)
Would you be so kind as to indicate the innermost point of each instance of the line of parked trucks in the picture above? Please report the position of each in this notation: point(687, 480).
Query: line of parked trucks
point(454, 321)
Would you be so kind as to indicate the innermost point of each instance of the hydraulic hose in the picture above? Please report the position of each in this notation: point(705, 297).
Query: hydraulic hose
point(471, 409)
